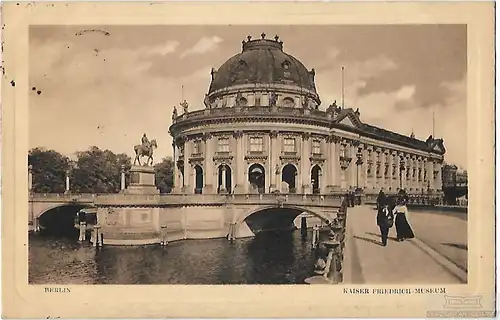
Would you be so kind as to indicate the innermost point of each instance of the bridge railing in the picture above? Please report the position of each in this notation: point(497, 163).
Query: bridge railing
point(182, 199)
point(76, 197)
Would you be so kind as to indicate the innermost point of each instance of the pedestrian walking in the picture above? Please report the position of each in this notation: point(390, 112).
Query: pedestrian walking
point(403, 228)
point(381, 199)
point(385, 220)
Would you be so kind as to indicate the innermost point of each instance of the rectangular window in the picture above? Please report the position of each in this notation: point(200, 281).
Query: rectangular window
point(223, 144)
point(197, 147)
point(289, 145)
point(316, 146)
point(342, 150)
point(256, 144)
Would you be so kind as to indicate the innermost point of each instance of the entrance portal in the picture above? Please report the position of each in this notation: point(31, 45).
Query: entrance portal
point(257, 177)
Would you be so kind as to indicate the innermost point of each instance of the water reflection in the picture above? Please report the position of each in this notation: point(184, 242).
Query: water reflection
point(269, 258)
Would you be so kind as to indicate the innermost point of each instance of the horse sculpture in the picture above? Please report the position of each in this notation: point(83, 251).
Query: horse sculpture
point(145, 151)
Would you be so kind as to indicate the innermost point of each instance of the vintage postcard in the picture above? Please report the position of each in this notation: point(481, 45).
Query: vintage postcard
point(248, 160)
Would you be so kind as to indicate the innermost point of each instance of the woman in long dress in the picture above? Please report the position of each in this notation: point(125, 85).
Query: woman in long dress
point(403, 229)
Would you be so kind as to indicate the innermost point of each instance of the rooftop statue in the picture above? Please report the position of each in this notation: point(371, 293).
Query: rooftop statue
point(145, 149)
point(238, 99)
point(207, 102)
point(174, 114)
point(273, 99)
point(184, 106)
point(307, 103)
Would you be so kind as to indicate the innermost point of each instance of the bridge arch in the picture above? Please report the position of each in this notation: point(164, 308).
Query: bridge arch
point(59, 219)
point(39, 211)
point(321, 215)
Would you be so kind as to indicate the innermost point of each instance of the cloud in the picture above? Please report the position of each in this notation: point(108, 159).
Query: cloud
point(405, 93)
point(356, 75)
point(332, 53)
point(163, 49)
point(205, 44)
point(380, 108)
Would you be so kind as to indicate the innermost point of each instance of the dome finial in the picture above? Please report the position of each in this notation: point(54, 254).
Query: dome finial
point(249, 37)
point(276, 37)
point(263, 35)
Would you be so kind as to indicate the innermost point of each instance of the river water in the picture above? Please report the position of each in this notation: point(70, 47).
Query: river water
point(274, 257)
point(281, 257)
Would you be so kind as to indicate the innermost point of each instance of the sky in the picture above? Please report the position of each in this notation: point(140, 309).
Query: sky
point(109, 86)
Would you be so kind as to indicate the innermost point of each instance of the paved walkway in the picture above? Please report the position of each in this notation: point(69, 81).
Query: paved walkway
point(409, 262)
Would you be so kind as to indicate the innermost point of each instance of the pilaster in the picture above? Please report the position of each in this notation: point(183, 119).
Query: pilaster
point(274, 150)
point(305, 164)
point(208, 169)
point(240, 178)
point(188, 171)
point(332, 164)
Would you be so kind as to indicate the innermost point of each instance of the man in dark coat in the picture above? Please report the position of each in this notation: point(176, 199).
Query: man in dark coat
point(385, 219)
point(381, 199)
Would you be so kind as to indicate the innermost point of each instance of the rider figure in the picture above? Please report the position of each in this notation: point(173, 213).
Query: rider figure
point(145, 141)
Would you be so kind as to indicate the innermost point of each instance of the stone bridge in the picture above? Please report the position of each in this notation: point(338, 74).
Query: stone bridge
point(139, 219)
point(39, 203)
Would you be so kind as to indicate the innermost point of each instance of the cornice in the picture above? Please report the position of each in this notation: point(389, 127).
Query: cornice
point(297, 116)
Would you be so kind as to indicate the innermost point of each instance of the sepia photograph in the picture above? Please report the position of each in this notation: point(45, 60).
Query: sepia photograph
point(247, 154)
point(235, 160)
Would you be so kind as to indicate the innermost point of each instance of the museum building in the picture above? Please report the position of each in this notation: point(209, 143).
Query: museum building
point(263, 130)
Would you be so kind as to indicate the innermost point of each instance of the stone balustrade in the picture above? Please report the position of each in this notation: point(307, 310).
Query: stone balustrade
point(254, 111)
point(316, 200)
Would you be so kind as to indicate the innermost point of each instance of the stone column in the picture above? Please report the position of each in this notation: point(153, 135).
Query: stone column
point(208, 165)
point(122, 180)
point(274, 182)
point(385, 164)
point(238, 173)
point(67, 182)
point(401, 172)
point(330, 163)
point(30, 178)
point(305, 164)
point(365, 167)
point(359, 168)
point(336, 163)
point(383, 161)
point(187, 188)
point(352, 166)
point(430, 173)
point(423, 185)
point(176, 174)
point(439, 180)
point(389, 170)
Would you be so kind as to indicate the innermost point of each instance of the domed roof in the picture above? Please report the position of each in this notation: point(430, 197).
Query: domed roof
point(262, 61)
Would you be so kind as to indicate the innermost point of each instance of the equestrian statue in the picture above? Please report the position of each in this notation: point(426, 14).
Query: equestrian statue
point(145, 150)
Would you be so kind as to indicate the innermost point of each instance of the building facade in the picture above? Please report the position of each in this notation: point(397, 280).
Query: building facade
point(262, 131)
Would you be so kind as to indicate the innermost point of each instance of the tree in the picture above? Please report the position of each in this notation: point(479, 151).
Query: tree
point(98, 171)
point(49, 170)
point(164, 175)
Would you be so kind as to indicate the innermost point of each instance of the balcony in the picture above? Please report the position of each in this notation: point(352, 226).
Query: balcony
point(256, 156)
point(289, 155)
point(317, 157)
point(196, 156)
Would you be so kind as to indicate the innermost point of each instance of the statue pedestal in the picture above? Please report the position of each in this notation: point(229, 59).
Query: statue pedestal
point(142, 181)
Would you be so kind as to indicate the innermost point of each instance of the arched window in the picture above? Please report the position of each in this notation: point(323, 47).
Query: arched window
point(288, 102)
